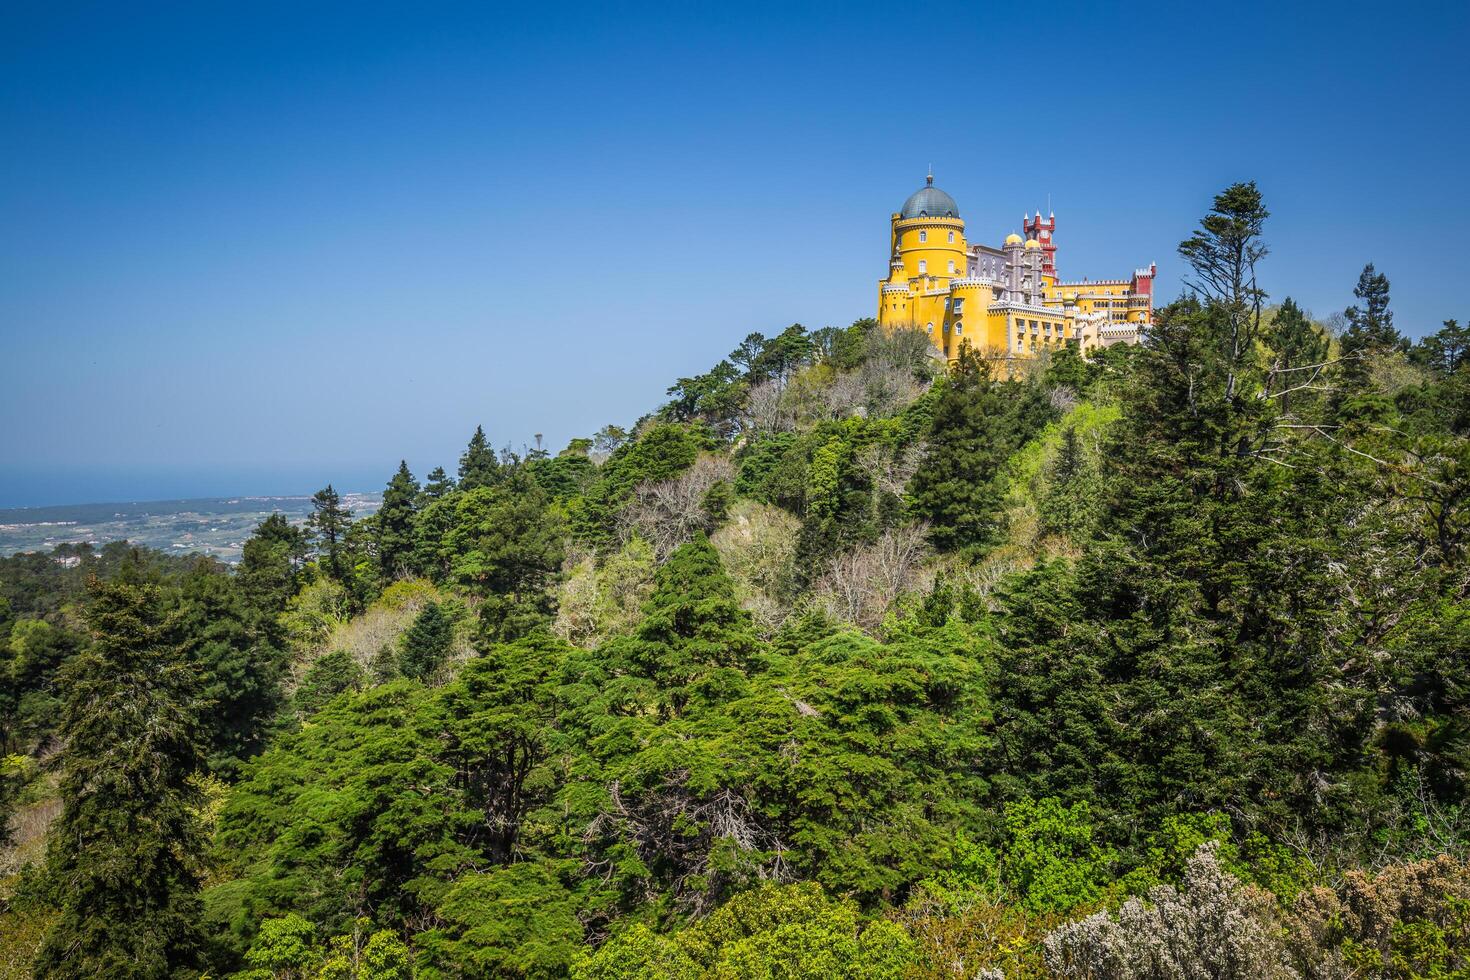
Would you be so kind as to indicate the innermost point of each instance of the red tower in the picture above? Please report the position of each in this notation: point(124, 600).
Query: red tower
point(1042, 232)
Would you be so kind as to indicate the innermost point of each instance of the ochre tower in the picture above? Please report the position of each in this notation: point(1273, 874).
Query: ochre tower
point(927, 251)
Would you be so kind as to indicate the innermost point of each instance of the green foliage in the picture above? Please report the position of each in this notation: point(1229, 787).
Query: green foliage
point(978, 422)
point(284, 949)
point(123, 854)
point(662, 452)
point(30, 662)
point(236, 656)
point(793, 932)
point(352, 812)
point(1051, 858)
point(331, 675)
point(427, 643)
point(1370, 326)
point(271, 565)
point(515, 921)
point(328, 525)
point(478, 467)
point(1446, 350)
point(507, 544)
point(393, 525)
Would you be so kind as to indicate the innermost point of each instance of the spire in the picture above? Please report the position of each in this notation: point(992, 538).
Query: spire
point(930, 179)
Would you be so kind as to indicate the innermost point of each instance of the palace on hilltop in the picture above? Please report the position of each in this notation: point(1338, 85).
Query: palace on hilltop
point(1006, 302)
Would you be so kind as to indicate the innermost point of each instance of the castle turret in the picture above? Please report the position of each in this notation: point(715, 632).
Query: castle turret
point(1015, 273)
point(1042, 231)
point(927, 243)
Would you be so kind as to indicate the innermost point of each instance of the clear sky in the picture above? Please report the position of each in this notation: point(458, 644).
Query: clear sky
point(257, 247)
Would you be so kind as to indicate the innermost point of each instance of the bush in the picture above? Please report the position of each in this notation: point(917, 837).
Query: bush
point(1214, 927)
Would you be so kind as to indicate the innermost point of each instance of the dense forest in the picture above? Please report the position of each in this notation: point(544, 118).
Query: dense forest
point(843, 663)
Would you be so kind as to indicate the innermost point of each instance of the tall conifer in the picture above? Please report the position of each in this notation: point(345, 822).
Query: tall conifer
point(123, 853)
point(395, 524)
point(478, 467)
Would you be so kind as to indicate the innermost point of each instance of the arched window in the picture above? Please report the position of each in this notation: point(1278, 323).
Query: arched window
point(930, 328)
point(923, 267)
point(923, 236)
point(959, 328)
point(951, 267)
point(951, 238)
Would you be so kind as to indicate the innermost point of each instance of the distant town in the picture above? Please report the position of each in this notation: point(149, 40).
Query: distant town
point(213, 526)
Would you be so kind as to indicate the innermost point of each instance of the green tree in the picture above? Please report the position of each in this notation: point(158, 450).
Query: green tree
point(478, 466)
point(332, 674)
point(328, 526)
point(395, 520)
point(508, 547)
point(693, 633)
point(517, 921)
point(284, 949)
point(793, 932)
point(1051, 859)
point(1446, 350)
point(239, 666)
point(1300, 350)
point(123, 853)
point(978, 422)
point(1370, 326)
point(271, 564)
point(426, 644)
point(782, 355)
point(437, 485)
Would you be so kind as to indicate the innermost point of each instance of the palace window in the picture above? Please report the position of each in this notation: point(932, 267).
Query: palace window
point(951, 267)
point(951, 238)
point(959, 304)
point(923, 236)
point(930, 328)
point(959, 328)
point(923, 267)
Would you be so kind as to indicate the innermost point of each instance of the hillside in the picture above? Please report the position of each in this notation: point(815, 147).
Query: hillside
point(844, 662)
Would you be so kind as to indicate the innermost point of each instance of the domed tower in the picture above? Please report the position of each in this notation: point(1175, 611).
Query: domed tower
point(1033, 276)
point(926, 251)
point(1015, 270)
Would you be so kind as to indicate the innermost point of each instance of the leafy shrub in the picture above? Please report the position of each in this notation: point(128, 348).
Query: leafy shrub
point(1212, 927)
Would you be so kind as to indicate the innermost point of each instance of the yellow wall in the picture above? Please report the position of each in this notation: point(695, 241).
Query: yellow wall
point(937, 252)
point(1112, 298)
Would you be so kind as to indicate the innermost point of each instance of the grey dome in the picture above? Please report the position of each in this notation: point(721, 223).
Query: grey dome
point(929, 202)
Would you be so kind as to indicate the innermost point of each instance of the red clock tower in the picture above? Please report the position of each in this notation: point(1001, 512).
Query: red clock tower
point(1042, 231)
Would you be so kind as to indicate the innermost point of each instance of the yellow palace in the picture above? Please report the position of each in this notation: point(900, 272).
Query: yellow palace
point(1006, 302)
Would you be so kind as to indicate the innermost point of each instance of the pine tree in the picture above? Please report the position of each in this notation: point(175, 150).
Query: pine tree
point(437, 485)
point(1370, 334)
point(328, 524)
point(427, 643)
point(978, 422)
point(395, 519)
point(478, 467)
point(240, 667)
point(1370, 327)
point(123, 852)
point(271, 564)
point(508, 547)
point(1445, 350)
point(1297, 344)
point(694, 634)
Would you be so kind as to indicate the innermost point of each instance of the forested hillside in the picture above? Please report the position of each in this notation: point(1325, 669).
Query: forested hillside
point(844, 663)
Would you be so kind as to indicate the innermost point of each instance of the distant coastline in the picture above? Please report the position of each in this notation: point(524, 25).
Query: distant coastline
point(213, 526)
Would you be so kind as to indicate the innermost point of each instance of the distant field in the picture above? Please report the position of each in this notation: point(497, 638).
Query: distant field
point(215, 526)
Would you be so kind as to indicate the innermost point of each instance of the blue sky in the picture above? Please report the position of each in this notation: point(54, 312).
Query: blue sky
point(251, 248)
